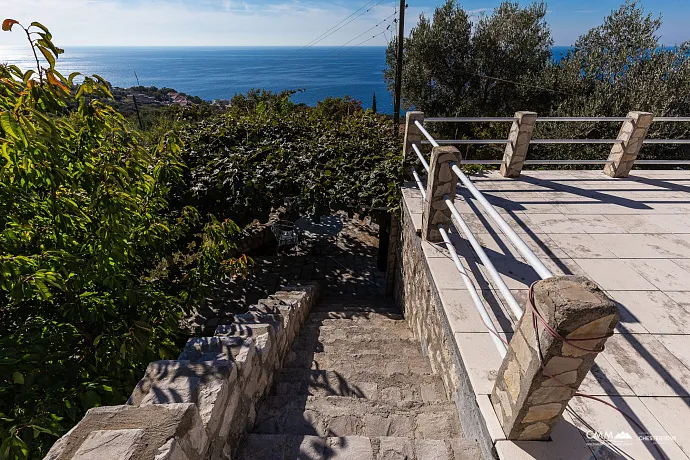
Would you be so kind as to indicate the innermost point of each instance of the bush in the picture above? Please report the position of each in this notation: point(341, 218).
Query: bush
point(334, 156)
point(96, 266)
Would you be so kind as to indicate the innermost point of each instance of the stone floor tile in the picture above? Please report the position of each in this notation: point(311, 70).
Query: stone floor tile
point(567, 443)
point(677, 345)
point(683, 263)
point(673, 246)
point(674, 416)
point(552, 223)
point(481, 359)
point(597, 224)
point(446, 275)
point(603, 379)
point(651, 311)
point(594, 417)
point(614, 274)
point(462, 313)
point(628, 246)
point(664, 274)
point(516, 274)
point(647, 366)
point(635, 224)
point(672, 223)
point(582, 246)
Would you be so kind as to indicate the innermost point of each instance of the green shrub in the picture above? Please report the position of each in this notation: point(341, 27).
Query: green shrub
point(334, 156)
point(96, 266)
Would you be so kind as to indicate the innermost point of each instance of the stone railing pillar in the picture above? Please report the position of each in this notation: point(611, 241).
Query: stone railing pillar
point(528, 396)
point(632, 133)
point(518, 143)
point(412, 133)
point(441, 181)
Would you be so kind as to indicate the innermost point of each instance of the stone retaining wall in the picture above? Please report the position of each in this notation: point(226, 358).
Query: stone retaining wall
point(419, 300)
point(199, 406)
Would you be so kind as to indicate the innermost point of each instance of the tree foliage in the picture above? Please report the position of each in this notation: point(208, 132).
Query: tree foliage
point(502, 64)
point(448, 60)
point(96, 266)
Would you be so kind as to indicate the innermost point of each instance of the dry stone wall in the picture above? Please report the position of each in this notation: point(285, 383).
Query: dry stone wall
point(201, 405)
point(421, 304)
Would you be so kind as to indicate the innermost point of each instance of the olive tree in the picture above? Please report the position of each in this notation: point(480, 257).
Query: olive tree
point(453, 66)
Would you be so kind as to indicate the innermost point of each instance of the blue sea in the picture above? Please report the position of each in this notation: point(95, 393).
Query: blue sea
point(219, 73)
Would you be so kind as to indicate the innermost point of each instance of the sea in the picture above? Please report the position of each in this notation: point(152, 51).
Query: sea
point(219, 72)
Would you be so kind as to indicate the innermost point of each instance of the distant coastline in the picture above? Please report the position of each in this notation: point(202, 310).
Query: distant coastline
point(219, 73)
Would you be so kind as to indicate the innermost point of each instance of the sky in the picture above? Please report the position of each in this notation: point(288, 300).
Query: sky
point(280, 22)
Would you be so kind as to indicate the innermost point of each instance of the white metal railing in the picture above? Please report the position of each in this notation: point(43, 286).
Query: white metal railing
point(552, 141)
point(419, 183)
point(495, 277)
point(523, 249)
point(472, 290)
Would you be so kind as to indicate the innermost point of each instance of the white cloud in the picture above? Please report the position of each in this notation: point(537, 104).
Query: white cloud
point(187, 23)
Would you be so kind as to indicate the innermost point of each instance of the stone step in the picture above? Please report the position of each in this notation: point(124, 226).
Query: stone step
point(392, 337)
point(372, 307)
point(360, 329)
point(386, 346)
point(344, 416)
point(295, 447)
point(303, 382)
point(347, 364)
point(383, 317)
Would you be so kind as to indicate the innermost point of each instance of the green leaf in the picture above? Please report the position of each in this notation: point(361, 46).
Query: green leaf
point(18, 378)
point(48, 55)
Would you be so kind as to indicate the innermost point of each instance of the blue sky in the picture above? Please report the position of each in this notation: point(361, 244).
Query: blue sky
point(278, 22)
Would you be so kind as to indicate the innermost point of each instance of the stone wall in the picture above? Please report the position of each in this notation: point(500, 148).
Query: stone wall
point(419, 300)
point(199, 406)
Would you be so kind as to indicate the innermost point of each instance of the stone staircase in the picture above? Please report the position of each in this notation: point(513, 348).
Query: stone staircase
point(355, 386)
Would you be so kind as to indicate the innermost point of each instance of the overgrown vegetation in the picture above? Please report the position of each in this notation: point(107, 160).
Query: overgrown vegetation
point(108, 235)
point(263, 149)
point(502, 64)
point(96, 265)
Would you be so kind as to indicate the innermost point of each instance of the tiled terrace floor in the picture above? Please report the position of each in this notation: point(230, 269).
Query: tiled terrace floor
point(630, 236)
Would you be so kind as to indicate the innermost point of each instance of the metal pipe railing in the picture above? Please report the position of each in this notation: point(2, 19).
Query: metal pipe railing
point(472, 290)
point(421, 157)
point(493, 273)
point(581, 119)
point(470, 119)
point(671, 119)
point(432, 141)
point(419, 183)
point(469, 141)
point(513, 237)
point(547, 119)
point(666, 141)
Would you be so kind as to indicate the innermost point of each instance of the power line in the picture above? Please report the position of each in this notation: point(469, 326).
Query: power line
point(348, 22)
point(366, 31)
point(367, 40)
point(322, 35)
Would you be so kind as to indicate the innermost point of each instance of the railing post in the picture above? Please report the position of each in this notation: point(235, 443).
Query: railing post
point(412, 133)
point(441, 181)
point(624, 154)
point(518, 143)
point(533, 387)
